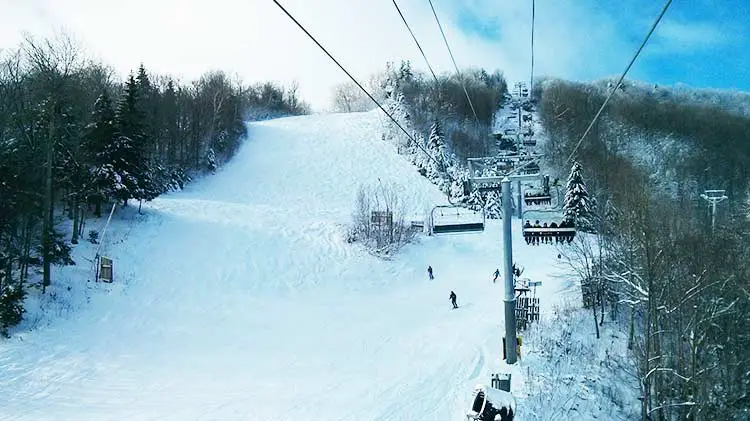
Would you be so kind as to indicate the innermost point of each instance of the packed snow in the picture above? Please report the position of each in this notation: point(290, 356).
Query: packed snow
point(239, 298)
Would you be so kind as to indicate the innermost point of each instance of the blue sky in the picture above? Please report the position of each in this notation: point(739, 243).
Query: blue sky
point(701, 43)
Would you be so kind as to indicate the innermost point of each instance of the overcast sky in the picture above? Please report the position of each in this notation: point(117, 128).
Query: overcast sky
point(703, 43)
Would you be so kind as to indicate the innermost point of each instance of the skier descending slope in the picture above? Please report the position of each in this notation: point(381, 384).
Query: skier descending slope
point(453, 299)
point(429, 272)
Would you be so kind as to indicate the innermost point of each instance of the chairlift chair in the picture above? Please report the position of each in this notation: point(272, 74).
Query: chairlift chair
point(446, 219)
point(537, 199)
point(491, 404)
point(561, 232)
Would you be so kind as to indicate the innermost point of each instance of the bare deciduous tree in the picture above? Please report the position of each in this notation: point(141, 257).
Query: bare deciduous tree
point(379, 219)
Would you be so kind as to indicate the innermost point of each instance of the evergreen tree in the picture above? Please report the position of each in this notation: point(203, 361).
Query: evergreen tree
point(493, 205)
point(458, 184)
point(99, 138)
point(475, 201)
point(436, 165)
point(436, 145)
point(128, 151)
point(170, 117)
point(11, 306)
point(148, 104)
point(211, 160)
point(578, 205)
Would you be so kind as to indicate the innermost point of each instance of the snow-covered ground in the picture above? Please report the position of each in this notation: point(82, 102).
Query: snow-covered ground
point(239, 298)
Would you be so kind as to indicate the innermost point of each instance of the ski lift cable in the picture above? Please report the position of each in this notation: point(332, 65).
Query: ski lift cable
point(533, 15)
point(458, 72)
point(356, 82)
point(450, 177)
point(416, 42)
point(619, 82)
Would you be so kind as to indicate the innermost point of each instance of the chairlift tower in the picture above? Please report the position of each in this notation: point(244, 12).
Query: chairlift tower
point(505, 180)
point(713, 197)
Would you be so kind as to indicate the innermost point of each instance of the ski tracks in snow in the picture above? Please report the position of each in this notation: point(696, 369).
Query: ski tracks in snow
point(242, 300)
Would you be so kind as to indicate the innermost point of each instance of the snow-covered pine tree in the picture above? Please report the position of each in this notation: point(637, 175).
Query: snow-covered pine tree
point(475, 201)
point(129, 154)
point(436, 149)
point(148, 104)
point(421, 160)
point(459, 178)
point(100, 136)
point(493, 205)
point(11, 305)
point(211, 160)
point(436, 145)
point(578, 205)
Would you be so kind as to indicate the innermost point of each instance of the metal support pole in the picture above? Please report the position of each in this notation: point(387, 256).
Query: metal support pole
point(520, 201)
point(510, 297)
point(713, 215)
point(714, 197)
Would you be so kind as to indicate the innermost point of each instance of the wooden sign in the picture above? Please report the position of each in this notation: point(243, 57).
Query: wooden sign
point(105, 269)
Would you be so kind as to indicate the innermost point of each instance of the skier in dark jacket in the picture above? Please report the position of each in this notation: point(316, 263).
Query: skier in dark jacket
point(497, 273)
point(453, 299)
point(429, 272)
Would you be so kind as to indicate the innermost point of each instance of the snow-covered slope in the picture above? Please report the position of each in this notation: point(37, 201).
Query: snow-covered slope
point(239, 298)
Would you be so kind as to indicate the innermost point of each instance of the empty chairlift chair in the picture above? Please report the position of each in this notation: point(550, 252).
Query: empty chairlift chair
point(455, 219)
point(537, 199)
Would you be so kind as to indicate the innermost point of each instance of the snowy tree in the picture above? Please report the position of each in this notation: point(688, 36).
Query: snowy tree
point(129, 155)
point(459, 180)
point(347, 98)
point(436, 167)
point(11, 306)
point(475, 201)
point(100, 135)
point(420, 159)
point(211, 160)
point(493, 205)
point(436, 146)
point(578, 205)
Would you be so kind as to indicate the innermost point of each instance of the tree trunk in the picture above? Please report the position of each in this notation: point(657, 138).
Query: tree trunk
point(593, 311)
point(48, 211)
point(631, 334)
point(76, 220)
point(26, 249)
point(98, 206)
point(82, 223)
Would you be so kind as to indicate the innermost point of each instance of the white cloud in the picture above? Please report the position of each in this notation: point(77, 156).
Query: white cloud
point(254, 39)
point(673, 36)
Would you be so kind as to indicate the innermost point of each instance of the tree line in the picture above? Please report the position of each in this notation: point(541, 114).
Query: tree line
point(443, 130)
point(74, 139)
point(653, 264)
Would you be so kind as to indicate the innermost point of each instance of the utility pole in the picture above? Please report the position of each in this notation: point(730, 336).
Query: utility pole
point(510, 296)
point(713, 197)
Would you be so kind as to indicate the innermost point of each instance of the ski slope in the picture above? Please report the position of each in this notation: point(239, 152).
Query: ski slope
point(239, 298)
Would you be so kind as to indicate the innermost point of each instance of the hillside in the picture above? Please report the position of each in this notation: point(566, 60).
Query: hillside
point(238, 298)
point(650, 164)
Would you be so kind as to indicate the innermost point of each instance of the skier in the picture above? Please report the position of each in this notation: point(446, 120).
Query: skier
point(429, 272)
point(453, 299)
point(516, 271)
point(497, 273)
